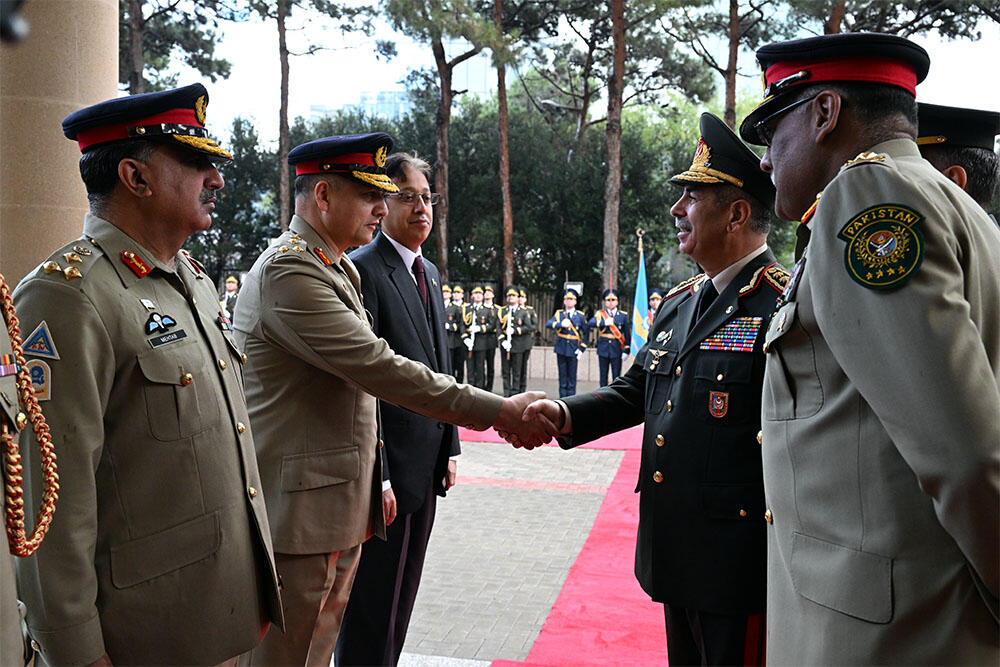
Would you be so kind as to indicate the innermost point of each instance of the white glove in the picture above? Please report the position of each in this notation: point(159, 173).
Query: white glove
point(475, 328)
point(468, 343)
point(608, 322)
point(624, 356)
point(566, 324)
point(505, 345)
point(579, 353)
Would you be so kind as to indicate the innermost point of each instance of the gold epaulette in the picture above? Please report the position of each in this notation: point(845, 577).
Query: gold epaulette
point(686, 285)
point(772, 274)
point(866, 157)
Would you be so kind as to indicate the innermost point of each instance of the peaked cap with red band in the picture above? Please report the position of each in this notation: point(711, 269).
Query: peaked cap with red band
point(171, 116)
point(360, 157)
point(866, 57)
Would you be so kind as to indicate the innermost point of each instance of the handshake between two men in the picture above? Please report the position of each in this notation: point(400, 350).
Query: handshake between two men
point(529, 420)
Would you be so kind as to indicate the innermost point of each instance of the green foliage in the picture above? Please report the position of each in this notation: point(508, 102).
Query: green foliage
point(953, 19)
point(171, 29)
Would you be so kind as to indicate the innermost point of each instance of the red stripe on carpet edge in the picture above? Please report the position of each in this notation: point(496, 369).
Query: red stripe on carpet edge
point(532, 484)
point(602, 616)
point(630, 438)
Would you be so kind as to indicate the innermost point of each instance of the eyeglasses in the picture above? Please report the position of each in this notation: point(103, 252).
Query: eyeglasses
point(765, 130)
point(376, 196)
point(410, 198)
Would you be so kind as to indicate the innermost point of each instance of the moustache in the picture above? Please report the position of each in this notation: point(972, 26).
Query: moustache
point(682, 224)
point(207, 195)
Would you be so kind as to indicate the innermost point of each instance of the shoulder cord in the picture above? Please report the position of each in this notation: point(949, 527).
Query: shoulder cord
point(20, 543)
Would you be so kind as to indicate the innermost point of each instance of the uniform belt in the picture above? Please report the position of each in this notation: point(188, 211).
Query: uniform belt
point(607, 335)
point(568, 336)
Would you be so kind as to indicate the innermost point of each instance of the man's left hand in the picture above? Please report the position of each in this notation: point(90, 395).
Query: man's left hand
point(452, 475)
point(389, 506)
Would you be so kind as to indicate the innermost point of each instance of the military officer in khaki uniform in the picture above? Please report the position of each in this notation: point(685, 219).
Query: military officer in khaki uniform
point(959, 143)
point(161, 552)
point(881, 407)
point(314, 372)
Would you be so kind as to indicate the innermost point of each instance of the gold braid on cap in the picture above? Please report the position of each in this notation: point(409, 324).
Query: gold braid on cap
point(203, 143)
point(378, 180)
point(19, 543)
point(700, 172)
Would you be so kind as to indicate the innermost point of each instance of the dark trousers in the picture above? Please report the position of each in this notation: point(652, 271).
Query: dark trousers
point(491, 356)
point(702, 638)
point(567, 374)
point(524, 372)
point(477, 368)
point(614, 363)
point(511, 369)
point(378, 612)
point(458, 355)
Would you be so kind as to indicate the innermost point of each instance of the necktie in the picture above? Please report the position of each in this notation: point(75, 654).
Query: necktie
point(708, 294)
point(418, 272)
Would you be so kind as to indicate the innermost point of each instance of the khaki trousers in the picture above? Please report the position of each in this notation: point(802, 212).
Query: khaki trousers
point(314, 594)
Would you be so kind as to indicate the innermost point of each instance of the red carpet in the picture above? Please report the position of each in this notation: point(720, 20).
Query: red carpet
point(601, 616)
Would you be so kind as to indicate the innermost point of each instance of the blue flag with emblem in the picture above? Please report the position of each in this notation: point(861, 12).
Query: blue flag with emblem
point(640, 308)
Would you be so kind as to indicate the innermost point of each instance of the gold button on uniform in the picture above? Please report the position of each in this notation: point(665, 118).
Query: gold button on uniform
point(240, 427)
point(222, 364)
point(657, 476)
point(244, 357)
point(659, 440)
point(719, 377)
point(677, 371)
point(187, 379)
point(743, 512)
point(22, 420)
point(760, 437)
point(35, 646)
point(252, 491)
point(670, 406)
point(768, 516)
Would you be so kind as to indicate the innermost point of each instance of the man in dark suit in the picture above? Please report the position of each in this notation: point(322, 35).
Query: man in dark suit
point(697, 385)
point(402, 291)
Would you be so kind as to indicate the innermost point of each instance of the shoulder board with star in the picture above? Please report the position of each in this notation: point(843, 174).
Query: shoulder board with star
point(685, 286)
point(868, 157)
point(773, 275)
point(71, 262)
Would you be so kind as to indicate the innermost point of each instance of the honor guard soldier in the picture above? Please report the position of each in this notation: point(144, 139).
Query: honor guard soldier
point(613, 336)
point(515, 340)
point(570, 326)
point(480, 325)
point(228, 301)
point(655, 297)
point(959, 143)
point(454, 326)
point(165, 554)
point(882, 390)
point(492, 341)
point(531, 320)
point(696, 385)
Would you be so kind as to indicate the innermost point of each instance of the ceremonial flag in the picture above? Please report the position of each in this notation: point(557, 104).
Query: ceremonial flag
point(640, 308)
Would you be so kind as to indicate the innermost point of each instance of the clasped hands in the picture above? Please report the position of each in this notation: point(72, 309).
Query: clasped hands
point(529, 420)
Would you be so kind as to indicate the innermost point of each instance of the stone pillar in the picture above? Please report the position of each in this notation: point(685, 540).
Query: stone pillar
point(68, 61)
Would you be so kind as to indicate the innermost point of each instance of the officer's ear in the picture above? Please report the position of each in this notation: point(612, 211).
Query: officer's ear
point(739, 214)
point(134, 176)
point(322, 194)
point(957, 174)
point(826, 114)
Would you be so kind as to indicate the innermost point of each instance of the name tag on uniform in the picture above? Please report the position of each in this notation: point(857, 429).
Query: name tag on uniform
point(166, 339)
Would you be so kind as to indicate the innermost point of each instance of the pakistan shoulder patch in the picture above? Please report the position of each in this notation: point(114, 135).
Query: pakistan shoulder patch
point(884, 246)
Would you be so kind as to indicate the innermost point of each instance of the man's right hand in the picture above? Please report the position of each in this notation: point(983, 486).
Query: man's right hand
point(468, 343)
point(513, 428)
point(566, 323)
point(548, 410)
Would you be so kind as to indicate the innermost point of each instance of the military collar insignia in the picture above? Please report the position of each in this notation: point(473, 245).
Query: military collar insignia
point(772, 274)
point(885, 246)
point(135, 264)
point(807, 216)
point(40, 343)
point(158, 323)
point(322, 256)
point(199, 268)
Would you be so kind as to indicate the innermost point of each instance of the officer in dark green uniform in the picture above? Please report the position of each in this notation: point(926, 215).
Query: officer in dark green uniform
point(454, 326)
point(492, 341)
point(528, 341)
point(515, 340)
point(480, 325)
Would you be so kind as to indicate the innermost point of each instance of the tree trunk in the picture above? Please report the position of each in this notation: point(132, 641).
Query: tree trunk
point(508, 210)
point(832, 24)
point(442, 120)
point(730, 73)
point(613, 184)
point(136, 61)
point(284, 187)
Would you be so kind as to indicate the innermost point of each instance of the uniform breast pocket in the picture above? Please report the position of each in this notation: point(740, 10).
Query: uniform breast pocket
point(181, 398)
point(659, 367)
point(792, 388)
point(723, 391)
